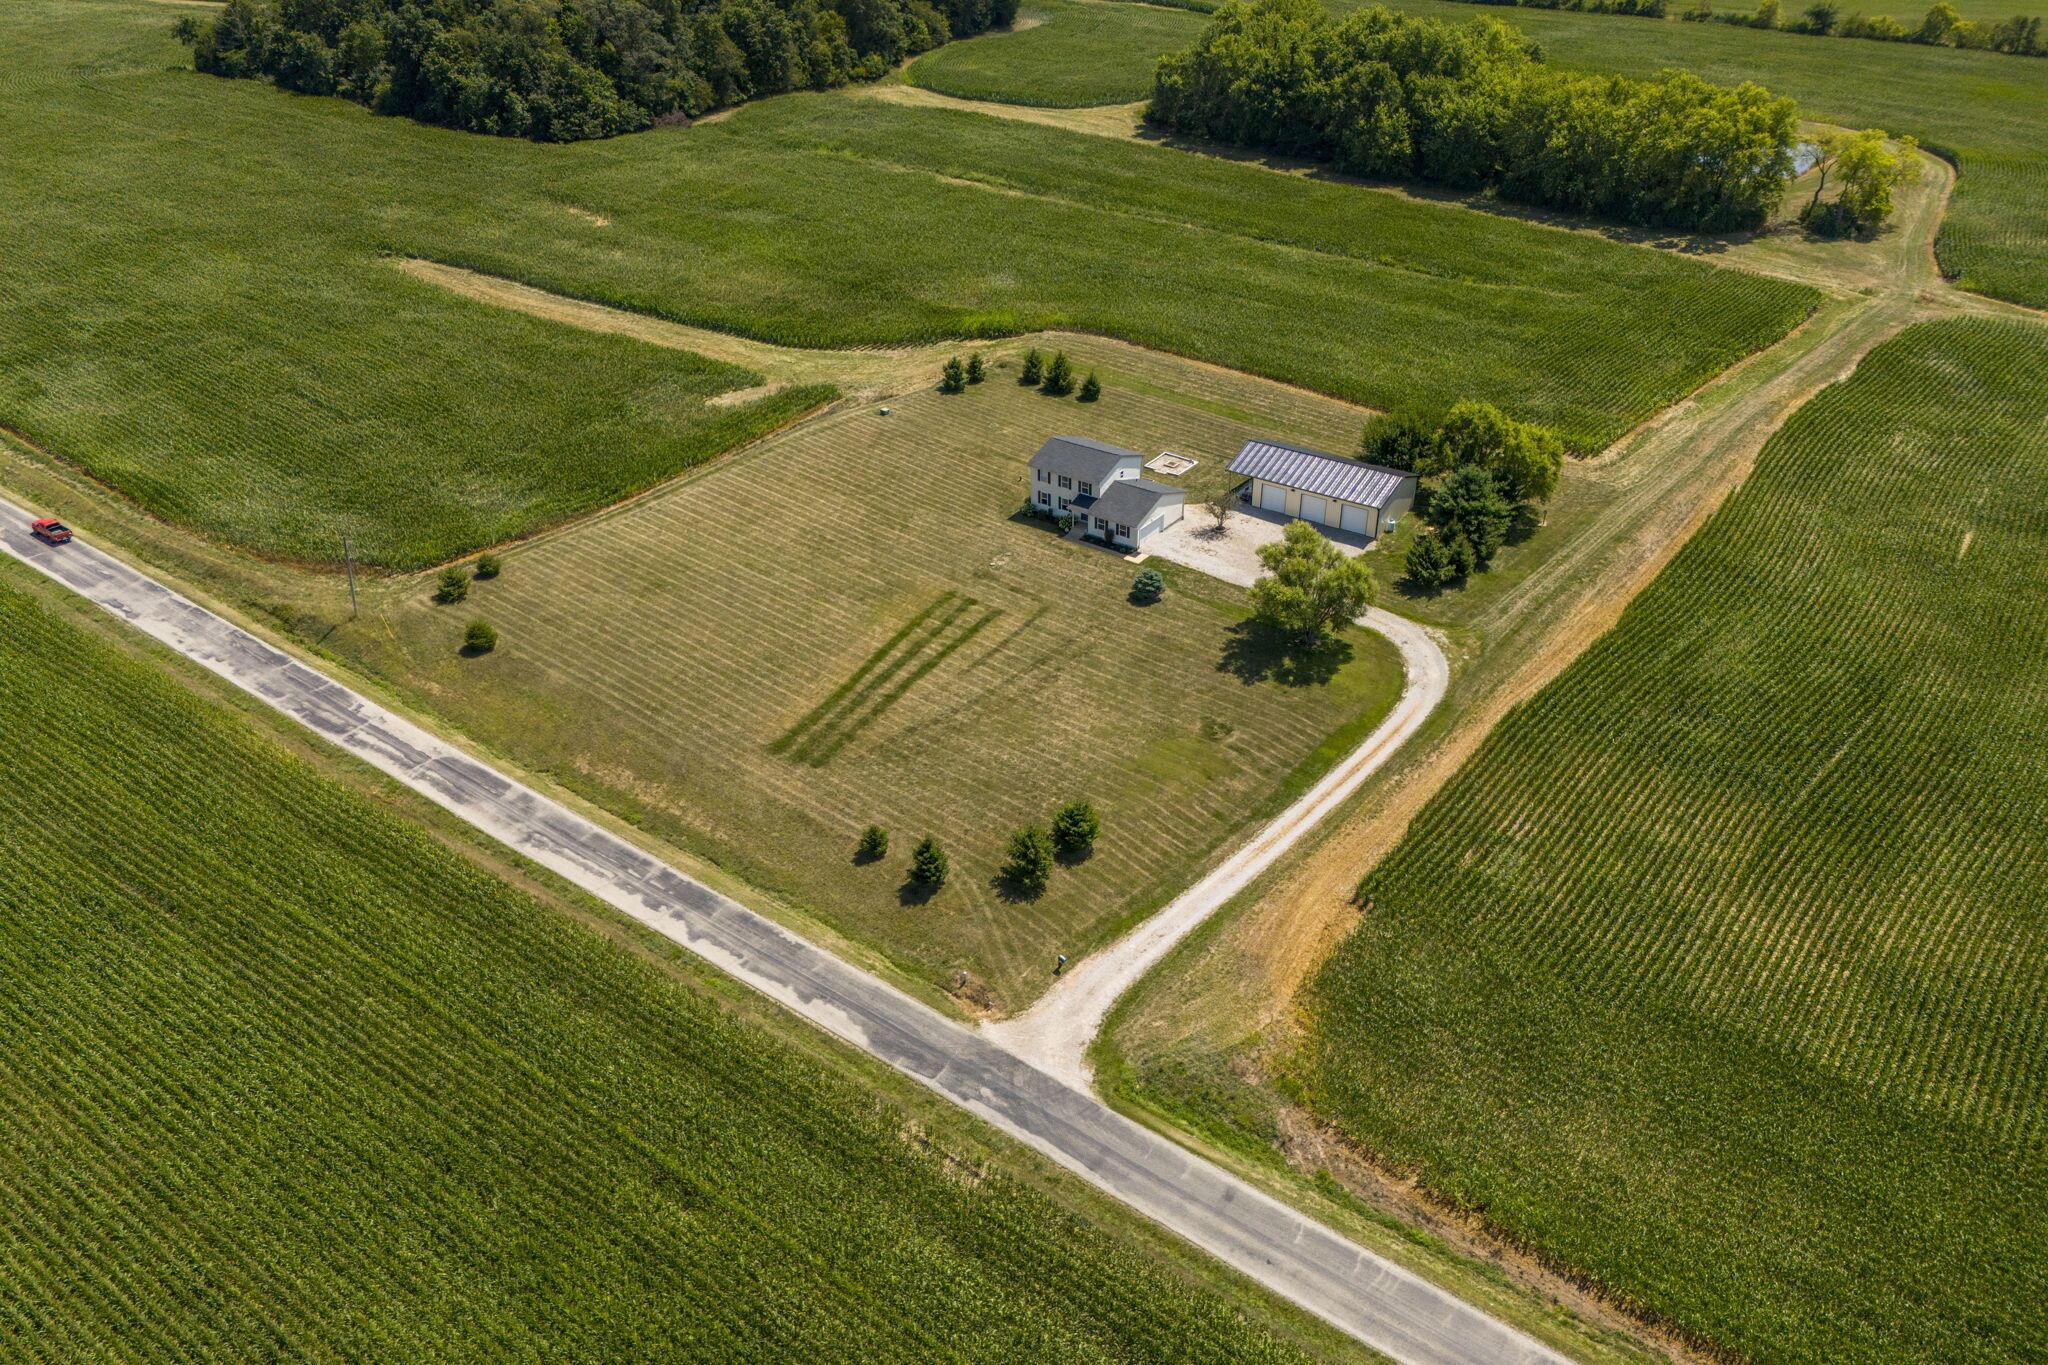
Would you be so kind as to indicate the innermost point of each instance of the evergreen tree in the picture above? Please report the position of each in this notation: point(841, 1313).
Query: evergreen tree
point(1034, 368)
point(1074, 829)
point(1091, 388)
point(929, 865)
point(976, 371)
point(873, 846)
point(953, 378)
point(1028, 861)
point(1059, 376)
point(1148, 586)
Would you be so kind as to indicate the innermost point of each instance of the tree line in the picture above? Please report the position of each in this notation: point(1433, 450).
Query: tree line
point(1474, 106)
point(566, 70)
point(1943, 26)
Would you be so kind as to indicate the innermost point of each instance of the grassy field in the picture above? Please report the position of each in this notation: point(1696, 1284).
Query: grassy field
point(848, 625)
point(1079, 52)
point(1719, 972)
point(199, 314)
point(1980, 109)
point(286, 1077)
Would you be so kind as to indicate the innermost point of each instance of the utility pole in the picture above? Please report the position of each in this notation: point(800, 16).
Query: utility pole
point(348, 557)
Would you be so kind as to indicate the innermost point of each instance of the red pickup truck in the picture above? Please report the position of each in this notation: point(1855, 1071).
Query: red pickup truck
point(49, 529)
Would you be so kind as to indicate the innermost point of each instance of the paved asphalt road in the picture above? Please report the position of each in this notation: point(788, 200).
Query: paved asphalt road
point(1295, 1256)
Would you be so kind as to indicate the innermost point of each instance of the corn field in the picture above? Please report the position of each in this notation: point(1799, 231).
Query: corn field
point(284, 1078)
point(1722, 970)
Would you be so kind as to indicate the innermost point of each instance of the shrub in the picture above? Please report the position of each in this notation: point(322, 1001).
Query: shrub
point(489, 566)
point(1074, 828)
point(1059, 376)
point(929, 865)
point(1034, 368)
point(873, 845)
point(1028, 860)
point(976, 371)
point(1148, 586)
point(953, 378)
point(1091, 388)
point(480, 638)
point(452, 586)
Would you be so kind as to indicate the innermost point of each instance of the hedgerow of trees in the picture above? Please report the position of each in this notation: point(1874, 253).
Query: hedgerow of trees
point(1943, 26)
point(565, 70)
point(1474, 106)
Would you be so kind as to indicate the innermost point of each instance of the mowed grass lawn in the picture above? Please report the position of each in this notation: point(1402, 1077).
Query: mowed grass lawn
point(284, 1077)
point(1077, 52)
point(847, 625)
point(1721, 972)
point(199, 310)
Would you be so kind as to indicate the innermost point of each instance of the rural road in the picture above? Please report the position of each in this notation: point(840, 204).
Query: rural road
point(1055, 1032)
point(1369, 1298)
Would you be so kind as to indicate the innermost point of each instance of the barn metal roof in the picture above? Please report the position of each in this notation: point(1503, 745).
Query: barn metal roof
point(1311, 471)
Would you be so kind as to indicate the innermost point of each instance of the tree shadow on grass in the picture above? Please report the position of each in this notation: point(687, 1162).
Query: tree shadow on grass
point(1257, 652)
point(914, 893)
point(1013, 892)
point(1073, 857)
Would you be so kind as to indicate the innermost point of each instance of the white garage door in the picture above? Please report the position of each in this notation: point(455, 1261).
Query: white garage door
point(1273, 498)
point(1314, 509)
point(1354, 518)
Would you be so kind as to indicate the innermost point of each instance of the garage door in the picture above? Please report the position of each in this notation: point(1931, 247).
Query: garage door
point(1354, 518)
point(1314, 509)
point(1273, 498)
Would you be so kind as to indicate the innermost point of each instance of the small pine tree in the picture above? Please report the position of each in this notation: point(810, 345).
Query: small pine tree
point(1091, 388)
point(1428, 564)
point(1034, 368)
point(1074, 827)
point(976, 371)
point(1148, 586)
point(873, 846)
point(489, 567)
point(1028, 860)
point(929, 864)
point(453, 586)
point(1059, 376)
point(953, 379)
point(480, 638)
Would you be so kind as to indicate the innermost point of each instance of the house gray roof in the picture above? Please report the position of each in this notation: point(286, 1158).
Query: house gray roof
point(1130, 502)
point(1080, 458)
point(1311, 471)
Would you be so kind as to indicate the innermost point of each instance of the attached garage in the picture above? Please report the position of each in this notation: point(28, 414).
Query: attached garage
point(1350, 496)
point(1130, 510)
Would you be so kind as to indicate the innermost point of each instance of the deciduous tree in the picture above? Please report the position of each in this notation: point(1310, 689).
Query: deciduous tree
point(1309, 587)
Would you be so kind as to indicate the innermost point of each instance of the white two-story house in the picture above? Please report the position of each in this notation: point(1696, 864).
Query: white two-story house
point(1102, 487)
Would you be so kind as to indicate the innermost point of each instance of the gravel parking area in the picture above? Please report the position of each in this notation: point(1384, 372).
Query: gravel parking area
point(1232, 553)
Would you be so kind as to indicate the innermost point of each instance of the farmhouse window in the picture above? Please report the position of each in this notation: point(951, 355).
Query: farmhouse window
point(1087, 488)
point(1123, 531)
point(1044, 476)
point(1044, 499)
point(1102, 523)
point(1066, 482)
